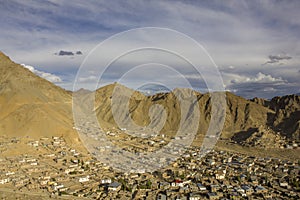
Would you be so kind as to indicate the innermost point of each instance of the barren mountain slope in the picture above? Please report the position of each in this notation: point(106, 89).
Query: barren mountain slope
point(286, 116)
point(241, 114)
point(31, 105)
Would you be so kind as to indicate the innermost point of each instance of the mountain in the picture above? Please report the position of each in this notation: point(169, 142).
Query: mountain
point(32, 106)
point(286, 116)
point(83, 91)
point(256, 122)
point(247, 122)
point(152, 89)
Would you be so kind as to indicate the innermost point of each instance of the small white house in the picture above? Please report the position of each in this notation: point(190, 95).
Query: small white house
point(33, 163)
point(84, 179)
point(283, 184)
point(44, 182)
point(106, 181)
point(57, 187)
point(177, 184)
point(195, 196)
point(220, 176)
point(69, 170)
point(201, 187)
point(5, 180)
point(55, 138)
point(9, 173)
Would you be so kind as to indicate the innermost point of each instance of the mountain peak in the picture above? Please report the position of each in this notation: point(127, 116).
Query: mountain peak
point(3, 56)
point(31, 105)
point(83, 91)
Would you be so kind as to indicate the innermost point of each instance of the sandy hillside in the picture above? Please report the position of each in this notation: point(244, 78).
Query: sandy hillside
point(242, 115)
point(32, 106)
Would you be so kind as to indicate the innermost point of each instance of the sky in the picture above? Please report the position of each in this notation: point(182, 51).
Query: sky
point(254, 44)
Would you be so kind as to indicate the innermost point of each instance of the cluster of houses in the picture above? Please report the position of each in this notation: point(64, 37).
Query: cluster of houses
point(224, 175)
point(60, 170)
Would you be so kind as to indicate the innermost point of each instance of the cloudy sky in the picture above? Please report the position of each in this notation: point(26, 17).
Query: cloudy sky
point(255, 44)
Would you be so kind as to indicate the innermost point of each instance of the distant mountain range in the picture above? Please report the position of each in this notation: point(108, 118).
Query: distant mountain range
point(33, 106)
point(152, 89)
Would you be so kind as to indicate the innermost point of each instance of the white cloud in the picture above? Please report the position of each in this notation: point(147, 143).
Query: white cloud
point(87, 79)
point(259, 78)
point(48, 76)
point(261, 84)
point(237, 34)
point(269, 89)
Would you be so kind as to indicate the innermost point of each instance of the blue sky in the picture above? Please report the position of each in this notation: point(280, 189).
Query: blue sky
point(255, 44)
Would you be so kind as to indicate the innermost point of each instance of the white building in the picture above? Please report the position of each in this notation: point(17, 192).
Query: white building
point(3, 181)
point(84, 179)
point(106, 181)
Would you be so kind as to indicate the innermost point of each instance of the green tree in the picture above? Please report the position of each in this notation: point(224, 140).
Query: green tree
point(148, 184)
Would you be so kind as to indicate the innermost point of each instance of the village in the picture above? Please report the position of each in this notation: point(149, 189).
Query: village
point(219, 175)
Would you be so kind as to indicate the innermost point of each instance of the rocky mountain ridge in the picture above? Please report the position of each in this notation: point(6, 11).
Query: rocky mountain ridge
point(33, 106)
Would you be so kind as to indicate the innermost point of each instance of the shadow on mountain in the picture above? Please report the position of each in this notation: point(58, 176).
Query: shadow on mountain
point(290, 125)
point(286, 123)
point(244, 135)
